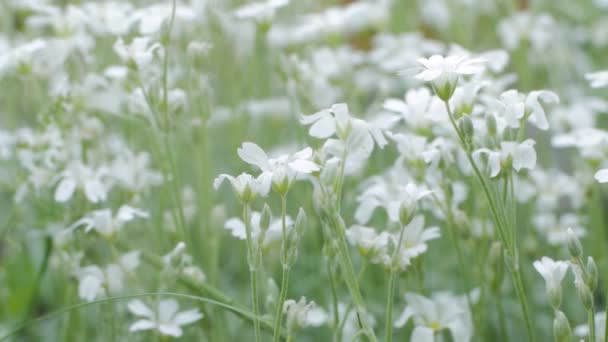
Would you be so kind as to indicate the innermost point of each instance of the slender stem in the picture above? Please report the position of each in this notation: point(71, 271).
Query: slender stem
point(509, 244)
point(349, 273)
point(286, 268)
point(591, 319)
point(391, 288)
point(252, 257)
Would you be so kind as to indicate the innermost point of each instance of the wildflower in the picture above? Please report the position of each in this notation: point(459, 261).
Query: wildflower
point(166, 319)
point(602, 176)
point(553, 272)
point(273, 233)
point(77, 175)
point(105, 223)
point(260, 11)
point(415, 236)
point(513, 155)
point(301, 314)
point(518, 107)
point(419, 109)
point(443, 72)
point(245, 187)
point(556, 229)
point(443, 311)
point(582, 331)
point(394, 198)
point(96, 282)
point(281, 171)
point(597, 79)
point(138, 54)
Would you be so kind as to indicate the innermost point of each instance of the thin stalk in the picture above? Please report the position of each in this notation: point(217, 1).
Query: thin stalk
point(252, 257)
point(510, 245)
point(591, 319)
point(391, 288)
point(286, 268)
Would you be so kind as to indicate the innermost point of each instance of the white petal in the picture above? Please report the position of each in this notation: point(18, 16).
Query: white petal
point(304, 166)
point(422, 334)
point(65, 190)
point(237, 227)
point(166, 309)
point(602, 176)
point(324, 128)
point(254, 154)
point(137, 307)
point(170, 329)
point(95, 191)
point(187, 317)
point(142, 324)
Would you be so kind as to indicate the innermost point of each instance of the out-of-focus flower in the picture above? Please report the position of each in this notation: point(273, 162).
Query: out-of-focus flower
point(597, 79)
point(165, 319)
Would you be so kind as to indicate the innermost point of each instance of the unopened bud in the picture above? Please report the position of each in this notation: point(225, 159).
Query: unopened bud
point(466, 127)
point(592, 274)
point(574, 245)
point(561, 327)
point(407, 209)
point(265, 218)
point(301, 222)
point(585, 295)
point(555, 296)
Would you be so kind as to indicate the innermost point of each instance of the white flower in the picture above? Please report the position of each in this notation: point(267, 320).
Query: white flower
point(552, 271)
point(582, 331)
point(602, 176)
point(245, 186)
point(444, 72)
point(556, 230)
point(390, 194)
point(517, 107)
point(370, 243)
point(301, 314)
point(281, 170)
point(139, 52)
point(516, 155)
point(77, 175)
point(95, 282)
point(432, 315)
point(274, 232)
point(420, 109)
point(260, 11)
point(414, 241)
point(597, 79)
point(166, 319)
point(105, 223)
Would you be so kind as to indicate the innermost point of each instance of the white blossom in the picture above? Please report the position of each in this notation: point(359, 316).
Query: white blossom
point(165, 319)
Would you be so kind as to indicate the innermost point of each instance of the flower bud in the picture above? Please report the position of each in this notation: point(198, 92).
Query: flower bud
point(592, 274)
point(407, 209)
point(561, 327)
point(555, 296)
point(301, 222)
point(467, 130)
point(265, 218)
point(585, 295)
point(574, 245)
point(445, 87)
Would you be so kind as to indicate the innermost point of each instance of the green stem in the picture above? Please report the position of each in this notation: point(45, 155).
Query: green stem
point(510, 245)
point(286, 268)
point(391, 287)
point(252, 260)
point(349, 273)
point(591, 319)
